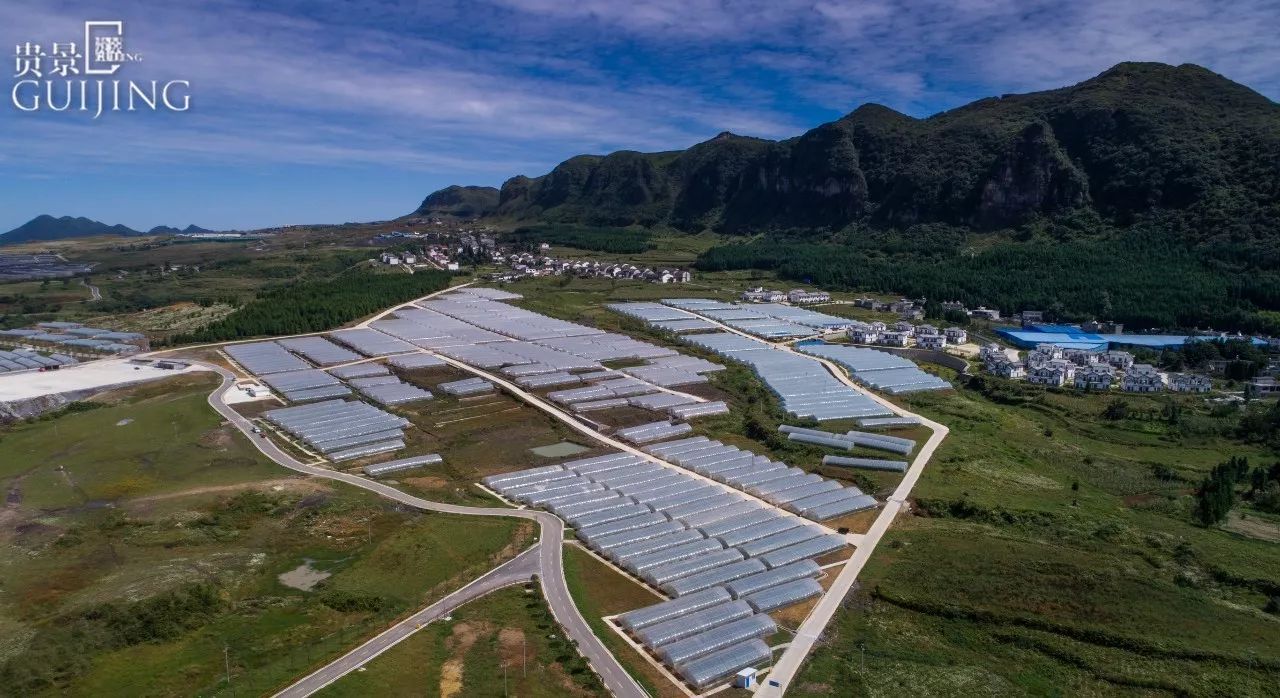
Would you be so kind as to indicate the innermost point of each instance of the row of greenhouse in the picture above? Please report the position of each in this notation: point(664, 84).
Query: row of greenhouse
point(696, 540)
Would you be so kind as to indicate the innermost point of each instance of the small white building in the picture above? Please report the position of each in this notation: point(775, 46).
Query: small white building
point(931, 341)
point(1095, 377)
point(864, 335)
point(1120, 359)
point(1142, 378)
point(985, 313)
point(1265, 386)
point(1006, 368)
point(800, 296)
point(892, 338)
point(1055, 373)
point(904, 327)
point(1189, 383)
point(955, 335)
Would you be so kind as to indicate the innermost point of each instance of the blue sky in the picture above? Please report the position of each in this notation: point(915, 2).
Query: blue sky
point(333, 111)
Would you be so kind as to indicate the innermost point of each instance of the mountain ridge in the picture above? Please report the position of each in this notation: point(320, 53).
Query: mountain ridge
point(1136, 141)
point(48, 228)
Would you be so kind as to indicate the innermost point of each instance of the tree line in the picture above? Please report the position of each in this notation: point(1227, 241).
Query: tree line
point(1138, 279)
point(314, 306)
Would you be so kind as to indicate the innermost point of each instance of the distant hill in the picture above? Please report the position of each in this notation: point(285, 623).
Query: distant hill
point(47, 227)
point(459, 202)
point(170, 230)
point(1137, 141)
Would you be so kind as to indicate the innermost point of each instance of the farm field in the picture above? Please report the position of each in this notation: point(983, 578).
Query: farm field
point(147, 544)
point(1054, 551)
point(506, 643)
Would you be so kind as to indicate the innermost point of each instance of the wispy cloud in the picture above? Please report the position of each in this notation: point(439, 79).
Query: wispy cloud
point(458, 90)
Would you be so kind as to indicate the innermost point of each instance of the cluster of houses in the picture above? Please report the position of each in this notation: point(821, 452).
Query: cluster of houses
point(796, 296)
point(913, 309)
point(1052, 365)
point(904, 334)
point(527, 264)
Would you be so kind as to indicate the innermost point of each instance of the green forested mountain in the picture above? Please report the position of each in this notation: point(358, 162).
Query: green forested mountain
point(46, 227)
point(1140, 142)
point(1149, 194)
point(459, 201)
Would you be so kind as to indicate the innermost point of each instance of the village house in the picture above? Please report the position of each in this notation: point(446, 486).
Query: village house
point(864, 335)
point(1006, 368)
point(1189, 383)
point(1095, 377)
point(985, 313)
point(955, 335)
point(892, 338)
point(1142, 378)
point(1263, 387)
point(1120, 359)
point(763, 295)
point(931, 341)
point(1057, 373)
point(1103, 327)
point(1081, 357)
point(1031, 317)
point(927, 329)
point(801, 296)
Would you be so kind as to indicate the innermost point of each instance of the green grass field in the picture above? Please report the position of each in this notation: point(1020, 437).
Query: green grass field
point(1047, 556)
point(143, 543)
point(600, 591)
point(504, 644)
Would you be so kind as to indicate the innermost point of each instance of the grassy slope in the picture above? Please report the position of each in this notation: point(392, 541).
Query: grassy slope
point(173, 478)
point(1079, 573)
point(506, 643)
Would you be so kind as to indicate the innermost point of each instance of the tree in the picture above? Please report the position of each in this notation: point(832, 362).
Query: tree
point(1116, 410)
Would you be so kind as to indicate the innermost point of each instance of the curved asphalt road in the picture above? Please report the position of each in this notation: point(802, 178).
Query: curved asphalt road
point(550, 563)
point(519, 569)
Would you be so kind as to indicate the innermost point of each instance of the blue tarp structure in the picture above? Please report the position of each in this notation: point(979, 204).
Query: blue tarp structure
point(1072, 337)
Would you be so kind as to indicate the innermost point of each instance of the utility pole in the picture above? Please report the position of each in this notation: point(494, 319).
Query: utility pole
point(862, 646)
point(226, 661)
point(524, 670)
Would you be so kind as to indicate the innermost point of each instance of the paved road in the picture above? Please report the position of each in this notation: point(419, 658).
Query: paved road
point(518, 570)
point(810, 631)
point(550, 562)
point(94, 293)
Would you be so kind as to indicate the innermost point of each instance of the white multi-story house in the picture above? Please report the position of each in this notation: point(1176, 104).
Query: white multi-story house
point(879, 326)
point(801, 296)
point(892, 338)
point(1189, 383)
point(991, 352)
point(1049, 351)
point(1142, 378)
point(1120, 359)
point(1095, 377)
point(904, 327)
point(955, 335)
point(1055, 373)
point(1080, 357)
point(1264, 386)
point(985, 313)
point(927, 329)
point(763, 295)
point(931, 341)
point(864, 335)
point(1007, 368)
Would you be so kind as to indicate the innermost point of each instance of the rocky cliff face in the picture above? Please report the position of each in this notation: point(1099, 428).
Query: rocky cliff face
point(459, 201)
point(1136, 139)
